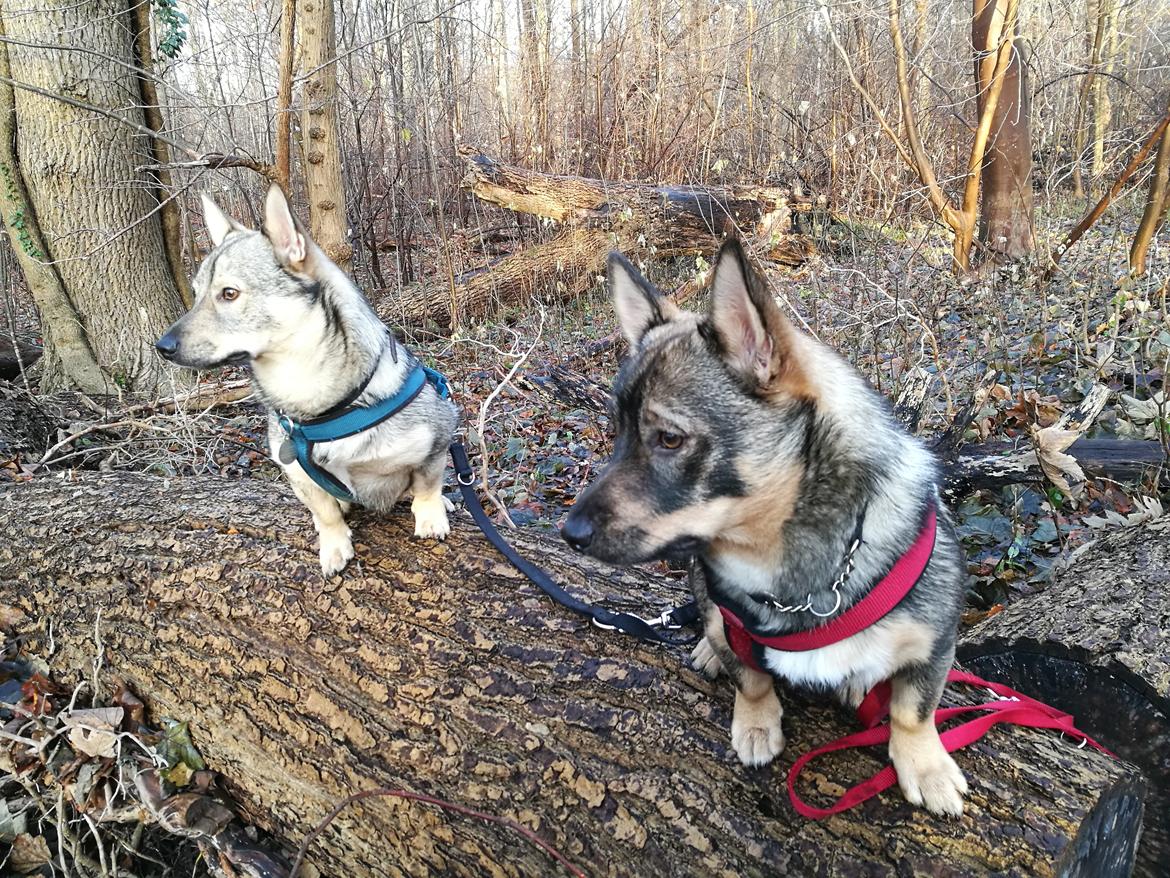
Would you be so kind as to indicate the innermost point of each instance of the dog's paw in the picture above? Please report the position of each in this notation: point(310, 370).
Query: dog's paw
point(336, 550)
point(931, 780)
point(704, 660)
point(756, 734)
point(430, 517)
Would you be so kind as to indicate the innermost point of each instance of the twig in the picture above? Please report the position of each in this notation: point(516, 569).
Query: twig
point(506, 822)
point(482, 424)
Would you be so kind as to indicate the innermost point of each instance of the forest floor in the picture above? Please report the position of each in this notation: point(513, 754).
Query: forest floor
point(881, 295)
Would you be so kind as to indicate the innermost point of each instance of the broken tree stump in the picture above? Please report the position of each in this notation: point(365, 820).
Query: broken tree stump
point(1096, 643)
point(438, 668)
point(642, 220)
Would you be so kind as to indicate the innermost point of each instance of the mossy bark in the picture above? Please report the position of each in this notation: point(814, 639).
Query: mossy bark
point(95, 209)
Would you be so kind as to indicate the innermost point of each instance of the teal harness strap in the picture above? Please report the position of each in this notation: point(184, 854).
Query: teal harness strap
point(356, 419)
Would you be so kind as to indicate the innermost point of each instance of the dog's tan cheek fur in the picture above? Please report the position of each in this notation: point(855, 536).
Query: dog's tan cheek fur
point(703, 520)
point(760, 517)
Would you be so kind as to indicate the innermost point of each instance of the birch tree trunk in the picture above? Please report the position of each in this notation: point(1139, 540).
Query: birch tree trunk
point(438, 668)
point(320, 133)
point(95, 210)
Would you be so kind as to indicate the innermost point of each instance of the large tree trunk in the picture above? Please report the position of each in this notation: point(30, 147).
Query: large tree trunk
point(93, 206)
point(1095, 643)
point(320, 133)
point(436, 667)
point(644, 221)
point(60, 323)
point(1005, 211)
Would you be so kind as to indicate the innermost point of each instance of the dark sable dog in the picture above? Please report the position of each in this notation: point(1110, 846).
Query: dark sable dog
point(754, 448)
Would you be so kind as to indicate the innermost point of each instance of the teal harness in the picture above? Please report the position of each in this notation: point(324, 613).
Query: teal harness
point(349, 421)
point(346, 419)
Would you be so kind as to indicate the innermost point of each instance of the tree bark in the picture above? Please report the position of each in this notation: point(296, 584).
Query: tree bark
point(1095, 643)
point(1095, 18)
point(1005, 211)
point(60, 322)
point(320, 134)
point(282, 117)
point(93, 206)
point(168, 206)
point(1157, 205)
point(436, 667)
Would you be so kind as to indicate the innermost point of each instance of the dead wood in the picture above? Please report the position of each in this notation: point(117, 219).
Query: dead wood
point(642, 220)
point(1096, 643)
point(436, 668)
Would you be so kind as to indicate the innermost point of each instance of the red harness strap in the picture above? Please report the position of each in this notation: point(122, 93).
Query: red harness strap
point(1012, 707)
point(880, 599)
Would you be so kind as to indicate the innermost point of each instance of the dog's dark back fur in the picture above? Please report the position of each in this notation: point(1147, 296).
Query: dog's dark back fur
point(784, 449)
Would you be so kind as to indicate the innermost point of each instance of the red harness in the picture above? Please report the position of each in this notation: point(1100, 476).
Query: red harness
point(1011, 707)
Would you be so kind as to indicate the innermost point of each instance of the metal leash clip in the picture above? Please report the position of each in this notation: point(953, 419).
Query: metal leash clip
point(662, 621)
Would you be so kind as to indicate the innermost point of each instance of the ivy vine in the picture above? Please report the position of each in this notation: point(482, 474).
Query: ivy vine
point(174, 27)
point(17, 221)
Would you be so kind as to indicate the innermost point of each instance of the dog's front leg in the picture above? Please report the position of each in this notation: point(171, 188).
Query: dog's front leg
point(333, 534)
point(756, 733)
point(429, 506)
point(927, 774)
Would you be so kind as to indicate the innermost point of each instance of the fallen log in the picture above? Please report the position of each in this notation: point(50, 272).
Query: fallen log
point(557, 270)
point(1097, 643)
point(16, 356)
point(437, 668)
point(997, 464)
point(642, 220)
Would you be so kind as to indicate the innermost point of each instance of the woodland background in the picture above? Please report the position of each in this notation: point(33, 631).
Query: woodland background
point(968, 200)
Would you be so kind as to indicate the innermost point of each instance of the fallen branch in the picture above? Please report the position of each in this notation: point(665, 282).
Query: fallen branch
point(1100, 207)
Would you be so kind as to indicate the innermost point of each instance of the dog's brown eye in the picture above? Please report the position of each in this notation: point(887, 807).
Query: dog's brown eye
point(670, 441)
point(229, 294)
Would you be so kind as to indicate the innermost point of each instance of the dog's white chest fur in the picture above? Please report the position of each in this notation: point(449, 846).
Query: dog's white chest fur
point(856, 664)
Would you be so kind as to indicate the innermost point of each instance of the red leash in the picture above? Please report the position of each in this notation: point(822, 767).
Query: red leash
point(1011, 707)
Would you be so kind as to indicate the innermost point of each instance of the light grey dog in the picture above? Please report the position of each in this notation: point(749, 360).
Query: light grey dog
point(274, 300)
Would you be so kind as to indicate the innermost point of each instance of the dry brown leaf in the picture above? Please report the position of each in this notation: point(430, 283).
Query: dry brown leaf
point(94, 732)
point(29, 853)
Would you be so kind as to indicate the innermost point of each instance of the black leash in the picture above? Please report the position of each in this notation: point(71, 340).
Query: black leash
point(653, 630)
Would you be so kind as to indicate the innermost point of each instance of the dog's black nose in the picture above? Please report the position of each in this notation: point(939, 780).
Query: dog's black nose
point(577, 532)
point(168, 345)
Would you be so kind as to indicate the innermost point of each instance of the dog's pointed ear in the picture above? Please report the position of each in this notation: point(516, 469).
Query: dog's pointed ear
point(638, 304)
point(754, 335)
point(282, 229)
point(219, 224)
